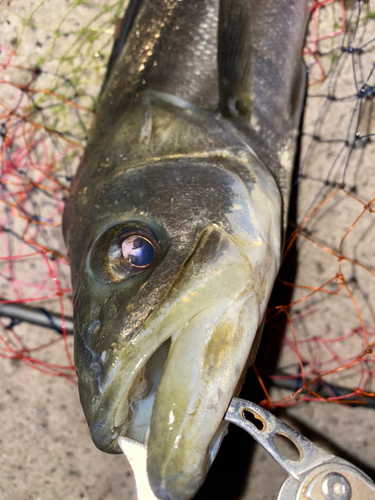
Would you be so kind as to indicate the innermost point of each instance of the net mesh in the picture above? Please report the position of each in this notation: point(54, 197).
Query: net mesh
point(52, 63)
point(326, 347)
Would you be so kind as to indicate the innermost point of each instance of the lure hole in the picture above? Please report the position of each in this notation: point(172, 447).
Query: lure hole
point(287, 447)
point(259, 423)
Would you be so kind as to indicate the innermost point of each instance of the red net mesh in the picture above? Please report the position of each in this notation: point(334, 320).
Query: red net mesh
point(324, 323)
point(45, 112)
point(327, 344)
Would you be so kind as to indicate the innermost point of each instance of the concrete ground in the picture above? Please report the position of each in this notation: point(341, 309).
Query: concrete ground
point(46, 451)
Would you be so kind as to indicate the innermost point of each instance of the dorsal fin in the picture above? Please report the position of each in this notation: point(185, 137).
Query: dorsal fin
point(262, 76)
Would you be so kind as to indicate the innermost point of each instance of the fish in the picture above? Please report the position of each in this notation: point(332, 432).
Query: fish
point(175, 222)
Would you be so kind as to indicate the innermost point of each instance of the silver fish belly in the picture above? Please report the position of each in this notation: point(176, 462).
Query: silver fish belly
point(174, 226)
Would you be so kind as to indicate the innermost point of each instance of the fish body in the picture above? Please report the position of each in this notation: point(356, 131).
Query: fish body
point(175, 222)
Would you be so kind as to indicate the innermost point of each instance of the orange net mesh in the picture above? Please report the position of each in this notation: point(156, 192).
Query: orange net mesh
point(321, 322)
point(51, 69)
point(329, 330)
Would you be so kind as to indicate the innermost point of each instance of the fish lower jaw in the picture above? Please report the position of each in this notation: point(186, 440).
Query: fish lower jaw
point(133, 416)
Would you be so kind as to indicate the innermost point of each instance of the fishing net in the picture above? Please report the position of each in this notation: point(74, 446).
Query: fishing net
point(52, 63)
point(325, 320)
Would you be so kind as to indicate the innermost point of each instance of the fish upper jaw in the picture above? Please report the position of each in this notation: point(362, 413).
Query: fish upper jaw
point(204, 328)
point(207, 361)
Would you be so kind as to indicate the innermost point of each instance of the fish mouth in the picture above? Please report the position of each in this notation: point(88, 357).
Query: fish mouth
point(171, 384)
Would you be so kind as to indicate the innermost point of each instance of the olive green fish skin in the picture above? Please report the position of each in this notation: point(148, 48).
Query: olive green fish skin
point(184, 154)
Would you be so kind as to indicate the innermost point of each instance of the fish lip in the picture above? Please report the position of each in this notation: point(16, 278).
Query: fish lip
point(102, 427)
point(103, 419)
point(99, 433)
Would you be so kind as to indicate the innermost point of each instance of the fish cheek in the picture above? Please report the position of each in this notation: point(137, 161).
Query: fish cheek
point(99, 319)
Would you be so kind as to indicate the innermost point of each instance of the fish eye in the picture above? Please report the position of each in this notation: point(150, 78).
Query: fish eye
point(125, 250)
point(138, 251)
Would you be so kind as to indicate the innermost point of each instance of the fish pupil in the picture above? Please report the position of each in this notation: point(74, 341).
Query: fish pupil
point(138, 251)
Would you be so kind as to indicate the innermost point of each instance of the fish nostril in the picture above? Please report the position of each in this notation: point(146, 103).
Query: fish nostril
point(94, 326)
point(95, 368)
point(95, 310)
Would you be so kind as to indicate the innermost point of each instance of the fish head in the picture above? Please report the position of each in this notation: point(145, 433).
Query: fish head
point(172, 266)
